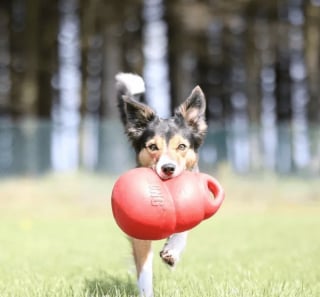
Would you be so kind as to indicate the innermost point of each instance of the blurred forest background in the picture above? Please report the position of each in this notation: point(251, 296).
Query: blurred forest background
point(258, 63)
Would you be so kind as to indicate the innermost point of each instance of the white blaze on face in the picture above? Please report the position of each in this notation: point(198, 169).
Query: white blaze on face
point(165, 160)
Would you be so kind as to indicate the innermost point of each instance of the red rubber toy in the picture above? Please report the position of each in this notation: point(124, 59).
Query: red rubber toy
point(147, 207)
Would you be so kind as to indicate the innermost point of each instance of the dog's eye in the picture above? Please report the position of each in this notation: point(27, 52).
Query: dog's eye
point(152, 147)
point(182, 147)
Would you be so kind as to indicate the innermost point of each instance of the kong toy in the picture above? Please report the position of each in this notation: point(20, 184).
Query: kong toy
point(147, 207)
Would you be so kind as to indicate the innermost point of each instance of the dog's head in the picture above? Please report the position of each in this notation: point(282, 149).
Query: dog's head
point(169, 146)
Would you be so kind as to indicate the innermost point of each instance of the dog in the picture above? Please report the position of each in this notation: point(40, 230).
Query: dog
point(168, 146)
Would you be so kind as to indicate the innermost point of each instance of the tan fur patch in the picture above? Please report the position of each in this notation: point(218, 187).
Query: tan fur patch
point(147, 157)
point(191, 159)
point(186, 158)
point(141, 250)
point(176, 140)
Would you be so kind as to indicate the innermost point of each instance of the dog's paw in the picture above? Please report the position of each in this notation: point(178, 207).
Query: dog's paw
point(173, 248)
point(169, 257)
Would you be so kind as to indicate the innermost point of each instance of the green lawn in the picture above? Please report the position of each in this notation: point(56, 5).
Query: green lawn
point(58, 238)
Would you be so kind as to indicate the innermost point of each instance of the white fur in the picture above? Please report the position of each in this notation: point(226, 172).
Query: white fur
point(145, 278)
point(175, 245)
point(133, 82)
point(172, 248)
point(164, 159)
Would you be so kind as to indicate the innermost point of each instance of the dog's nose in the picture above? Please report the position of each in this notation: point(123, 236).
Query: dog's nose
point(168, 169)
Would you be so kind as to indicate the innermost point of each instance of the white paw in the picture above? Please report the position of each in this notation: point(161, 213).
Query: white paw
point(170, 257)
point(173, 248)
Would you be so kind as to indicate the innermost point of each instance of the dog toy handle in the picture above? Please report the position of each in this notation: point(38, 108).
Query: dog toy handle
point(213, 203)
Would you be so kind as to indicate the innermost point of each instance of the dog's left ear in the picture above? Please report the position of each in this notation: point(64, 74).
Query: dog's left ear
point(193, 111)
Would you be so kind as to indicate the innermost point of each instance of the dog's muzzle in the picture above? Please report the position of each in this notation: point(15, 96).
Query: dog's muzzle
point(168, 169)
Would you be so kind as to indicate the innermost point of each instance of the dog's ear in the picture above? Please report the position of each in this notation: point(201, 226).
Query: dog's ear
point(192, 110)
point(138, 115)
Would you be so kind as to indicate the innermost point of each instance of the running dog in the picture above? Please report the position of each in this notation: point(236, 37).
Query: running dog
point(168, 146)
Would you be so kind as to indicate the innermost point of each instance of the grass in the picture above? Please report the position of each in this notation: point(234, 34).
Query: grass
point(58, 238)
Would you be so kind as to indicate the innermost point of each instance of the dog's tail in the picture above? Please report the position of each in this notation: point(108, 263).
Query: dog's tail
point(128, 84)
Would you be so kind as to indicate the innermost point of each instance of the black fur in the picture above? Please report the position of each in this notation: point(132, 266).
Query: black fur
point(142, 123)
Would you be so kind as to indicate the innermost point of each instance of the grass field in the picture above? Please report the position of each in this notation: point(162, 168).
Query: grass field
point(58, 238)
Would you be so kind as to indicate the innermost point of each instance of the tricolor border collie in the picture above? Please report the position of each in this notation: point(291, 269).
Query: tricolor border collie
point(168, 146)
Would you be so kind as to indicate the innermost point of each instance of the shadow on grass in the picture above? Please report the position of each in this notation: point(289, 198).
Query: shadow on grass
point(110, 285)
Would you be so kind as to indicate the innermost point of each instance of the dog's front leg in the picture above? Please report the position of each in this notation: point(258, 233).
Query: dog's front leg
point(173, 248)
point(143, 257)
